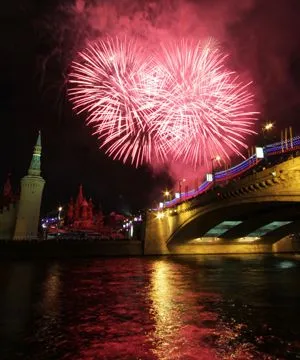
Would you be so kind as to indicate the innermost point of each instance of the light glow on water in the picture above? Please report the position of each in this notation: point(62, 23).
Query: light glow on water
point(185, 307)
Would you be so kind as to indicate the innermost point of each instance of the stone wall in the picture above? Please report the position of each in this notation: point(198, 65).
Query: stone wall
point(222, 248)
point(290, 243)
point(8, 221)
point(29, 208)
point(69, 248)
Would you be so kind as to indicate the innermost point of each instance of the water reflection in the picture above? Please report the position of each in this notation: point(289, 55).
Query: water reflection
point(165, 310)
point(51, 291)
point(182, 321)
point(151, 308)
point(162, 294)
point(48, 315)
point(16, 298)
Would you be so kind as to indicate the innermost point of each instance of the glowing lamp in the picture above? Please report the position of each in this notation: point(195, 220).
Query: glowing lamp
point(268, 126)
point(209, 177)
point(259, 152)
point(160, 215)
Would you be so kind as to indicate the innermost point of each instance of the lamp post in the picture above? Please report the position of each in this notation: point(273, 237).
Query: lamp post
point(268, 126)
point(167, 195)
point(217, 158)
point(180, 182)
point(59, 215)
point(266, 129)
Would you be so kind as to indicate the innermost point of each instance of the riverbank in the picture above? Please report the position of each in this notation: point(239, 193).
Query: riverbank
point(69, 248)
point(88, 248)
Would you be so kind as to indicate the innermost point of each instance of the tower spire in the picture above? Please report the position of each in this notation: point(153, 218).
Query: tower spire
point(35, 165)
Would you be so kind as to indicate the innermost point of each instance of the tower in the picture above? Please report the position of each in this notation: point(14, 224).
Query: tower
point(32, 186)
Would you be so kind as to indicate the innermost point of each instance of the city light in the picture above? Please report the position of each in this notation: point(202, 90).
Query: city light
point(160, 215)
point(209, 177)
point(268, 126)
point(259, 152)
point(59, 212)
point(237, 170)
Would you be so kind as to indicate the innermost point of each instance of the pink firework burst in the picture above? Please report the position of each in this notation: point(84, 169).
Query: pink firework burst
point(177, 103)
point(206, 109)
point(111, 80)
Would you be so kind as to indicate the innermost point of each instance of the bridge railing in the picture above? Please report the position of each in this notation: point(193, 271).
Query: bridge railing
point(281, 147)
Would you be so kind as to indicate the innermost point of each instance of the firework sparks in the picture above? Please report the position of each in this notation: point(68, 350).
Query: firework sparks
point(110, 80)
point(179, 102)
point(208, 110)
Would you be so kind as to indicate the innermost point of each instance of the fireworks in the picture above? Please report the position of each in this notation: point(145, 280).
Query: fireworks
point(208, 110)
point(177, 102)
point(109, 78)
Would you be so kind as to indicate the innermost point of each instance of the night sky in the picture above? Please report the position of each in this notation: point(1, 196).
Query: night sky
point(40, 37)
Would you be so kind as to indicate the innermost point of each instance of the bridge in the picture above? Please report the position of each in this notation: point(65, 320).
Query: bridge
point(250, 208)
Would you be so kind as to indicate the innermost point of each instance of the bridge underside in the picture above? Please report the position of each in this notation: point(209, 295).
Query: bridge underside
point(259, 222)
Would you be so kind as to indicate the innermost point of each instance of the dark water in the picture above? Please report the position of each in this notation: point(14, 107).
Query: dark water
point(245, 307)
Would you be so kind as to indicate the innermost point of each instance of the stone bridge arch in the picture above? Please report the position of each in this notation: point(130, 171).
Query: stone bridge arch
point(247, 215)
point(274, 193)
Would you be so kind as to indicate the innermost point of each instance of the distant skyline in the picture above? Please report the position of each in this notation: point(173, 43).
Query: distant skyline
point(262, 38)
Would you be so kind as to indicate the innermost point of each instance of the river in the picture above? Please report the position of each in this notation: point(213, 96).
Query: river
point(164, 308)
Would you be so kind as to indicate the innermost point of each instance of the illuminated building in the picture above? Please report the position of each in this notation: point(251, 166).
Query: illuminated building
point(81, 215)
point(19, 218)
point(32, 186)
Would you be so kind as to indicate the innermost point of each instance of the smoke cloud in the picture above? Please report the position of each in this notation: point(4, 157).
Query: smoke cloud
point(261, 37)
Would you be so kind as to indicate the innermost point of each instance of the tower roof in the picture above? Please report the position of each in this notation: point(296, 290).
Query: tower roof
point(39, 140)
point(79, 199)
point(84, 203)
point(35, 165)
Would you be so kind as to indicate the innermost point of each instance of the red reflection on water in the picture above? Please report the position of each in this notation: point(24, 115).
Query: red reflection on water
point(150, 309)
point(112, 319)
point(175, 310)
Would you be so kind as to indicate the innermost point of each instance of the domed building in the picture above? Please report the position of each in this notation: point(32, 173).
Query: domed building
point(81, 214)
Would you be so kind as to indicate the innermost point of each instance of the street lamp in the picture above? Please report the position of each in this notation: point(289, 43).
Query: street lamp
point(216, 158)
point(59, 216)
point(268, 126)
point(167, 195)
point(266, 129)
point(59, 212)
point(180, 182)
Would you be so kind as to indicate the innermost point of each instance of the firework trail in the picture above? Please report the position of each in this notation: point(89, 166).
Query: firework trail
point(176, 103)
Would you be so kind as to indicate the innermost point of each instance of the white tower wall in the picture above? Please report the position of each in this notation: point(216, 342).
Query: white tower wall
point(32, 186)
